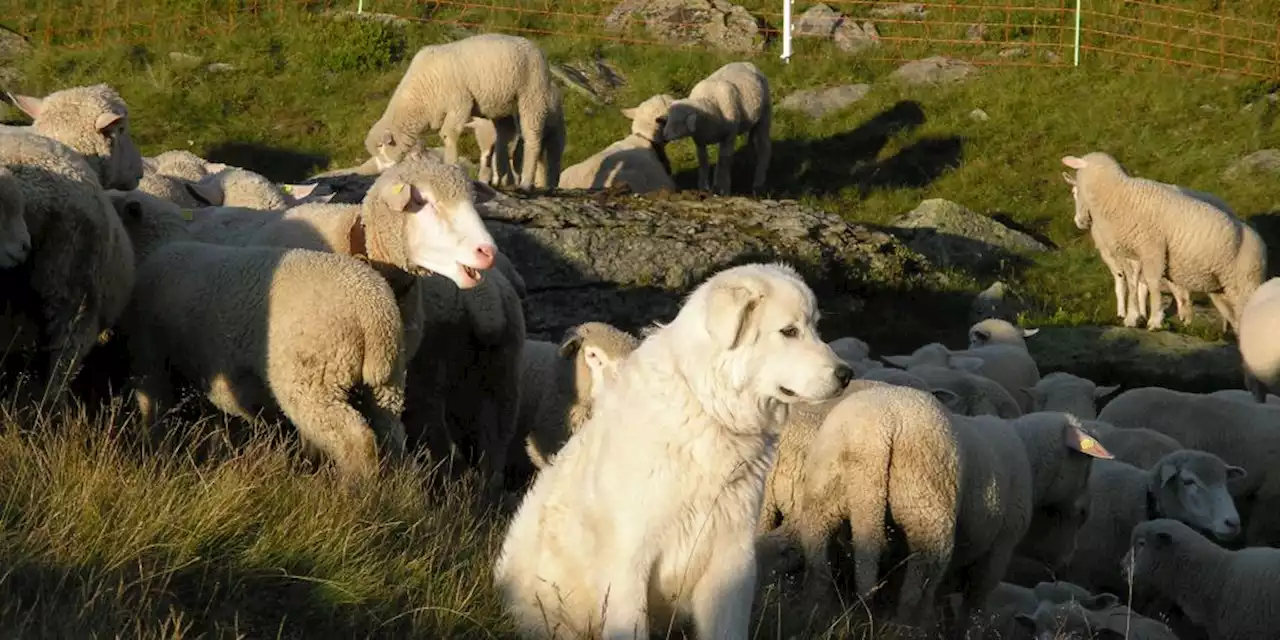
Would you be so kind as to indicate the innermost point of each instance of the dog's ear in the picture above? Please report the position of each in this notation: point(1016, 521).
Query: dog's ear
point(729, 313)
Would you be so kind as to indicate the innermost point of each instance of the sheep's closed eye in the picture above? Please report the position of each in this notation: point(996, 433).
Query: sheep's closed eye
point(790, 332)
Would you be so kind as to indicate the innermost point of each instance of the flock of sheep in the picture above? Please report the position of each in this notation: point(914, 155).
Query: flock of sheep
point(667, 473)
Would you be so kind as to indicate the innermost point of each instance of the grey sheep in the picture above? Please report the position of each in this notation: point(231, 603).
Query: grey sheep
point(1003, 360)
point(733, 100)
point(975, 394)
point(1079, 621)
point(490, 75)
point(1061, 391)
point(1232, 595)
point(1008, 602)
point(1139, 447)
point(1223, 256)
point(248, 325)
point(15, 238)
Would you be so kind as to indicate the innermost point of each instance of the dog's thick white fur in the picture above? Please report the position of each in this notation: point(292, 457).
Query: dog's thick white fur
point(650, 509)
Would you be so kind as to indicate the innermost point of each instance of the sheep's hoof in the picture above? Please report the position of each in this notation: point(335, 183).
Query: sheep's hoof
point(1155, 325)
point(1131, 321)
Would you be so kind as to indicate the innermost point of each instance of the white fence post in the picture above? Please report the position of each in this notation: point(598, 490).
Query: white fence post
point(1077, 45)
point(360, 6)
point(786, 31)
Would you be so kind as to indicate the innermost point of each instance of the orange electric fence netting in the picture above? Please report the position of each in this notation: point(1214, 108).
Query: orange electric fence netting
point(1239, 36)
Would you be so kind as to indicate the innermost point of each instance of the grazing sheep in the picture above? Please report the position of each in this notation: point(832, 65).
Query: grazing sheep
point(1138, 447)
point(79, 268)
point(15, 239)
point(1245, 435)
point(1079, 621)
point(94, 122)
point(1259, 348)
point(561, 382)
point(638, 160)
point(1232, 595)
point(1008, 364)
point(975, 395)
point(1223, 257)
point(733, 100)
point(1187, 485)
point(490, 75)
point(1061, 391)
point(247, 325)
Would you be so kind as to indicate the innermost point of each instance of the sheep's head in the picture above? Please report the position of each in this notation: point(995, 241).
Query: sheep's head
point(387, 146)
point(682, 120)
point(997, 331)
point(149, 221)
point(1068, 393)
point(94, 122)
point(597, 349)
point(1082, 218)
point(183, 164)
point(15, 238)
point(422, 215)
point(649, 118)
point(1191, 486)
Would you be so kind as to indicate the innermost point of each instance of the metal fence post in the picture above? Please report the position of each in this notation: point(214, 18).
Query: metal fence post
point(786, 31)
point(1077, 45)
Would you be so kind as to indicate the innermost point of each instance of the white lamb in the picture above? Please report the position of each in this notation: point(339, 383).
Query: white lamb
point(1259, 346)
point(1008, 364)
point(1062, 391)
point(490, 75)
point(974, 395)
point(235, 187)
point(733, 100)
point(1196, 245)
point(1232, 595)
point(247, 326)
point(638, 160)
point(501, 147)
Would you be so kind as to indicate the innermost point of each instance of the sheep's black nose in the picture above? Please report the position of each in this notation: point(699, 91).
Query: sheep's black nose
point(844, 374)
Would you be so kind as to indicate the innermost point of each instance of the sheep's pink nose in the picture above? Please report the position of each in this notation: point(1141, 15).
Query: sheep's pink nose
point(484, 256)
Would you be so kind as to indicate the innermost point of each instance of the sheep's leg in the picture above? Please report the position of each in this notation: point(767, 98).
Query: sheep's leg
point(503, 147)
point(1153, 269)
point(1138, 294)
point(1182, 298)
point(813, 542)
point(982, 579)
point(724, 166)
point(763, 151)
point(1222, 303)
point(451, 131)
point(533, 121)
point(1118, 274)
point(552, 155)
point(722, 597)
point(384, 416)
point(324, 419)
point(704, 167)
point(152, 391)
point(930, 530)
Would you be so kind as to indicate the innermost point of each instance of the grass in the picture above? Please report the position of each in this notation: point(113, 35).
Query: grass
point(103, 535)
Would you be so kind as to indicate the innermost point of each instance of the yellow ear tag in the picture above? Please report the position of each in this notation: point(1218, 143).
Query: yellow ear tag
point(287, 188)
point(397, 189)
point(1088, 443)
point(188, 215)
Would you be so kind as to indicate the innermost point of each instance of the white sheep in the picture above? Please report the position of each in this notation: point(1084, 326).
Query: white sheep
point(501, 147)
point(490, 75)
point(1259, 348)
point(638, 160)
point(733, 100)
point(15, 239)
point(235, 187)
point(1232, 595)
point(1245, 435)
point(80, 265)
point(1152, 223)
point(856, 354)
point(180, 163)
point(1062, 391)
point(974, 394)
point(248, 325)
point(561, 381)
point(1007, 363)
point(1186, 485)
point(992, 331)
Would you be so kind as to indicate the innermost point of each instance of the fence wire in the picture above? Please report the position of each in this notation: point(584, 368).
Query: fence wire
point(1239, 36)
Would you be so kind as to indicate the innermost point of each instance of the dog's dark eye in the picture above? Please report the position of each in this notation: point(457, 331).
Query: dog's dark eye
point(790, 332)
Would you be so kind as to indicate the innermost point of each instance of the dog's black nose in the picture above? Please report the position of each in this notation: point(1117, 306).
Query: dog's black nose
point(844, 374)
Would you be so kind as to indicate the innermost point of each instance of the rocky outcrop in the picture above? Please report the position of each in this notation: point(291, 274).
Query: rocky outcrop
point(953, 236)
point(715, 23)
point(1138, 358)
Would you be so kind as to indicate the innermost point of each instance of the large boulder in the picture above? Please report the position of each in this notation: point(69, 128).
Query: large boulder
point(715, 23)
point(13, 50)
point(952, 236)
point(1138, 358)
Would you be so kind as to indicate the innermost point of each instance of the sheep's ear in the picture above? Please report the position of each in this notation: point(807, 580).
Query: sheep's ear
point(629, 113)
point(965, 363)
point(1026, 622)
point(207, 193)
point(1027, 333)
point(484, 192)
point(299, 191)
point(398, 196)
point(1162, 539)
point(1071, 180)
point(901, 362)
point(1036, 395)
point(1167, 472)
point(215, 168)
point(1101, 601)
point(29, 105)
point(979, 335)
point(569, 346)
point(1077, 440)
point(1074, 162)
point(1235, 473)
point(1102, 392)
point(947, 397)
point(598, 363)
point(105, 120)
point(691, 120)
point(729, 313)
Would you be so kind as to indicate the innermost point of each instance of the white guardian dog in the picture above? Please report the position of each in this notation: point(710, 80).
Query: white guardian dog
point(649, 511)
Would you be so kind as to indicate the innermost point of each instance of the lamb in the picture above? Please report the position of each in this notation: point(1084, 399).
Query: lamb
point(560, 383)
point(1223, 256)
point(1008, 364)
point(638, 161)
point(974, 394)
point(182, 164)
point(1139, 447)
point(79, 267)
point(173, 189)
point(992, 331)
point(1078, 620)
point(1259, 350)
point(1186, 485)
point(938, 476)
point(731, 101)
point(1245, 435)
point(247, 325)
point(490, 75)
point(1061, 391)
point(15, 239)
point(235, 187)
point(1231, 594)
point(856, 354)
point(500, 145)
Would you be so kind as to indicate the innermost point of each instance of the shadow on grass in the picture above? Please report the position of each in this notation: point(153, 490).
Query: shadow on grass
point(279, 165)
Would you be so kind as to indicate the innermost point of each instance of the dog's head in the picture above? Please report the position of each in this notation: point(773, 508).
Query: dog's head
point(760, 324)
